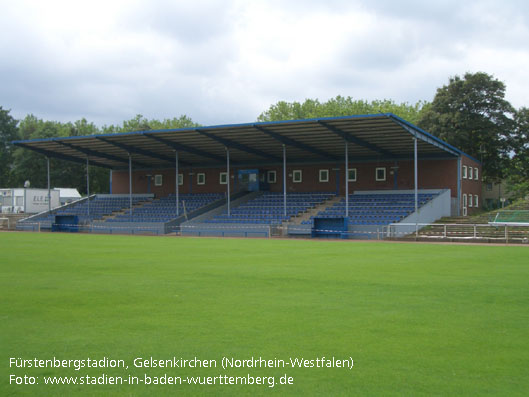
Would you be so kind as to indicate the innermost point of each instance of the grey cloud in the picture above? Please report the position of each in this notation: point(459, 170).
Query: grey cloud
point(190, 23)
point(169, 58)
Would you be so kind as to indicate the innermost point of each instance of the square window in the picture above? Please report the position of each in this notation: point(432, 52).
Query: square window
point(469, 201)
point(272, 175)
point(223, 178)
point(324, 175)
point(380, 174)
point(464, 200)
point(351, 177)
point(489, 187)
point(201, 179)
point(476, 201)
point(464, 172)
point(476, 174)
point(297, 176)
point(158, 180)
point(180, 179)
point(470, 173)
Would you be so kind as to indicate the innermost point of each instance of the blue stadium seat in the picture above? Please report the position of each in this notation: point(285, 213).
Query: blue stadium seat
point(268, 208)
point(377, 209)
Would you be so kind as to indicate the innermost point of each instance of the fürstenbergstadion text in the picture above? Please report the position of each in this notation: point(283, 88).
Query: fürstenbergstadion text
point(179, 370)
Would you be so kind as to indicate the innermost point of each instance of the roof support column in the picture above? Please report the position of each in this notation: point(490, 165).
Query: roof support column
point(130, 186)
point(177, 187)
point(49, 188)
point(284, 180)
point(459, 186)
point(228, 178)
point(396, 175)
point(88, 187)
point(346, 179)
point(415, 173)
point(337, 170)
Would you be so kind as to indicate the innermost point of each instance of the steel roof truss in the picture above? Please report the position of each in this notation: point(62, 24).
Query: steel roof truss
point(186, 148)
point(235, 145)
point(132, 149)
point(350, 138)
point(292, 142)
point(90, 152)
point(426, 138)
point(60, 156)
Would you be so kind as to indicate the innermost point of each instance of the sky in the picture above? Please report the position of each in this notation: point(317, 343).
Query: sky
point(222, 62)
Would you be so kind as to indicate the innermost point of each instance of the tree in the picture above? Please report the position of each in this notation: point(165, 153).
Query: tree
point(8, 133)
point(29, 165)
point(472, 114)
point(82, 128)
point(339, 106)
point(518, 171)
point(140, 123)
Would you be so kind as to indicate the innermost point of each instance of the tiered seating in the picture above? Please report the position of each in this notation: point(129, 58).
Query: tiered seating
point(375, 209)
point(268, 208)
point(164, 209)
point(99, 206)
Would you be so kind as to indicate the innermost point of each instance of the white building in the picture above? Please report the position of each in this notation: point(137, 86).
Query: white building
point(67, 194)
point(27, 200)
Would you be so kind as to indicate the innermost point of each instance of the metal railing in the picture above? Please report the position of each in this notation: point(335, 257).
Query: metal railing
point(485, 233)
point(461, 231)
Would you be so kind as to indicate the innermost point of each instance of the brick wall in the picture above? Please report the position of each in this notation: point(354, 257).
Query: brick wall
point(432, 174)
point(471, 186)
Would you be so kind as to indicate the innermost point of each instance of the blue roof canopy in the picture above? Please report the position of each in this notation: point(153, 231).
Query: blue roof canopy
point(375, 137)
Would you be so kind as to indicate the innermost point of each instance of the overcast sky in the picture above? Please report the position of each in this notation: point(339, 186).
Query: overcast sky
point(227, 61)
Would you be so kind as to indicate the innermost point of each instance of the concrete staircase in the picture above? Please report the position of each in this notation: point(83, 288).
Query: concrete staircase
point(468, 227)
point(234, 203)
point(466, 220)
point(484, 218)
point(10, 221)
point(313, 211)
point(295, 222)
point(124, 210)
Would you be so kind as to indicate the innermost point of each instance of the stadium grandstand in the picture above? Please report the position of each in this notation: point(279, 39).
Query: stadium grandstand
point(263, 179)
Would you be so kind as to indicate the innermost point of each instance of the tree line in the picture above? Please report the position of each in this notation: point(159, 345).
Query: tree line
point(470, 112)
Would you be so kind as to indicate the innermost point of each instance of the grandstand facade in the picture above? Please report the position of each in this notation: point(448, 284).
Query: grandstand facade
point(395, 176)
point(371, 170)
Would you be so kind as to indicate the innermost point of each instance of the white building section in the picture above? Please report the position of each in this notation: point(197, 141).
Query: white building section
point(29, 201)
point(67, 194)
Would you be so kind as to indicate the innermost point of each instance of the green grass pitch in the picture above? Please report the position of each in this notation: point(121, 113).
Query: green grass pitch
point(417, 319)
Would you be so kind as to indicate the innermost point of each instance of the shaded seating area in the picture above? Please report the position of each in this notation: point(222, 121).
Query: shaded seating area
point(269, 208)
point(100, 206)
point(375, 209)
point(164, 209)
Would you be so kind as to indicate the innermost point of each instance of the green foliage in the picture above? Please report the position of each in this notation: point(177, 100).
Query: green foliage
point(25, 164)
point(8, 133)
point(472, 114)
point(82, 128)
point(518, 178)
point(339, 106)
point(140, 123)
point(29, 165)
